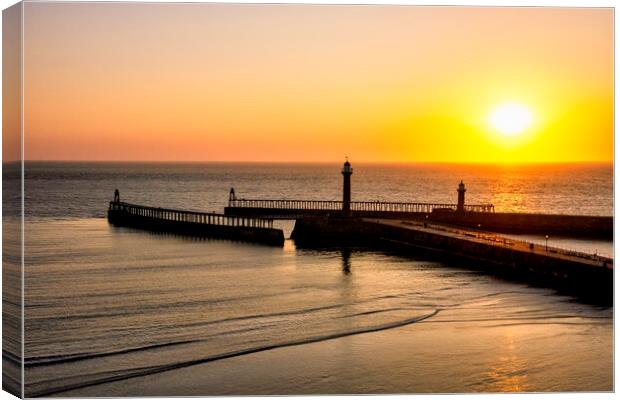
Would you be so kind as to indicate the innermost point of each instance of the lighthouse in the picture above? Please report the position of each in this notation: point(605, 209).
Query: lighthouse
point(346, 187)
point(460, 205)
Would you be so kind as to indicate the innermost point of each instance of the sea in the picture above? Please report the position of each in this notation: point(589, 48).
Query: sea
point(113, 311)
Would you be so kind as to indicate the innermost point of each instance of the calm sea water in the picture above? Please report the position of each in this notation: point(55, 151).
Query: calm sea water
point(117, 311)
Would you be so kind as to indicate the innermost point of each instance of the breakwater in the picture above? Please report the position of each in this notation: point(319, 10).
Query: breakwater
point(212, 225)
point(578, 272)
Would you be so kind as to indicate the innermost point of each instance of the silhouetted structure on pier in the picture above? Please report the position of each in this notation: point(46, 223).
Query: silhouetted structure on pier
point(347, 171)
point(460, 205)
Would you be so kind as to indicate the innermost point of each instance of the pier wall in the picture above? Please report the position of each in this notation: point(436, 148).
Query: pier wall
point(578, 276)
point(270, 236)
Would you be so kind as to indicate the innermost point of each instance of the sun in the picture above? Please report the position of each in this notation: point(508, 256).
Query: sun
point(510, 119)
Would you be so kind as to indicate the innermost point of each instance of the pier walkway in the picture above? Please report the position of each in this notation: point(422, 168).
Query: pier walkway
point(498, 240)
point(195, 223)
point(291, 209)
point(197, 217)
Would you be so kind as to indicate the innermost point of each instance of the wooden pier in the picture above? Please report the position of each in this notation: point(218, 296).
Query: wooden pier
point(291, 209)
point(195, 223)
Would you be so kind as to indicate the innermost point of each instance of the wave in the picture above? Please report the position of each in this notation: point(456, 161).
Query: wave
point(57, 359)
point(133, 373)
point(533, 318)
point(49, 360)
point(547, 323)
point(78, 317)
point(373, 312)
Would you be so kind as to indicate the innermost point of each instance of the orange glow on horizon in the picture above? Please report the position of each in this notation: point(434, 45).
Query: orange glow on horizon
point(226, 82)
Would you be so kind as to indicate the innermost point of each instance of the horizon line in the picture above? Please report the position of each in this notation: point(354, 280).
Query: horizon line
point(319, 162)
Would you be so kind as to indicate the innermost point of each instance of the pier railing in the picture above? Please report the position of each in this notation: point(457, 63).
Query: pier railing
point(189, 216)
point(335, 205)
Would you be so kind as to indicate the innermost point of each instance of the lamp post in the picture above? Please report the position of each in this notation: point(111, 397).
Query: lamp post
point(547, 243)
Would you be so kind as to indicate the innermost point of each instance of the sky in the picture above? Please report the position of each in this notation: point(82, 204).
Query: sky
point(315, 83)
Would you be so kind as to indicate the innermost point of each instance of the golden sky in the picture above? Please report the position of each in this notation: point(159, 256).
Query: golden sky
point(224, 82)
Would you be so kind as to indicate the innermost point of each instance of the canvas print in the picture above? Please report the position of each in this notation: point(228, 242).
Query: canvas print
point(206, 199)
